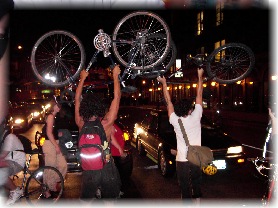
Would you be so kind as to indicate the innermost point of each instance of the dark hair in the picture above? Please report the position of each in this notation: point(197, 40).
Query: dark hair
point(91, 106)
point(183, 107)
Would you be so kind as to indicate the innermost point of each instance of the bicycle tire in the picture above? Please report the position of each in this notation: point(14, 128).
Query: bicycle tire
point(57, 55)
point(224, 66)
point(126, 32)
point(164, 66)
point(35, 186)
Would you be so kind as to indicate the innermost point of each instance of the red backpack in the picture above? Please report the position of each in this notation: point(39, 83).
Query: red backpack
point(92, 154)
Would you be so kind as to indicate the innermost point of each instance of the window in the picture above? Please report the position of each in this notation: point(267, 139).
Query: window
point(217, 45)
point(219, 13)
point(200, 25)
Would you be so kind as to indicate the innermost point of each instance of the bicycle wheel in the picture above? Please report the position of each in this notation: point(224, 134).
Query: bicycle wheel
point(230, 63)
point(57, 58)
point(164, 66)
point(131, 45)
point(36, 185)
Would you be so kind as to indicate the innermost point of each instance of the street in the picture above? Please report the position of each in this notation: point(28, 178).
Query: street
point(236, 188)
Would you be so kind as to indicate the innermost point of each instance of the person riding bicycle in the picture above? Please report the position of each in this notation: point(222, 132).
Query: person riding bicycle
point(12, 161)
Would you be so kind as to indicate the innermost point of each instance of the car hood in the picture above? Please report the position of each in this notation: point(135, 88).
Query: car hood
point(212, 138)
point(216, 139)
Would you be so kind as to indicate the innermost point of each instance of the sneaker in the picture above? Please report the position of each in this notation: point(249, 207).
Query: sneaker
point(14, 196)
point(98, 193)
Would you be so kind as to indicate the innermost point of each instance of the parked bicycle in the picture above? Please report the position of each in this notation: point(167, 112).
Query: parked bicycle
point(35, 185)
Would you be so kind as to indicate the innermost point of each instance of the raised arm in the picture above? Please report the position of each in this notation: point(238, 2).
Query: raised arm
point(199, 97)
point(78, 119)
point(111, 115)
point(166, 94)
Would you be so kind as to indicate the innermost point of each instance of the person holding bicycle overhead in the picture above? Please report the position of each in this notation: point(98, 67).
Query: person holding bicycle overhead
point(189, 175)
point(51, 150)
point(12, 161)
point(89, 109)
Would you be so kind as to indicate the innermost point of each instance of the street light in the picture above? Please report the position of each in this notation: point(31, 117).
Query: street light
point(19, 47)
point(178, 63)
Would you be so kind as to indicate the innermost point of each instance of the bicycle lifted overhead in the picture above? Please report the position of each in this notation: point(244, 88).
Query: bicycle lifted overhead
point(140, 42)
point(227, 64)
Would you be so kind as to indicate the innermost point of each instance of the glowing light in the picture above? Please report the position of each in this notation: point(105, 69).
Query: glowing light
point(188, 87)
point(238, 82)
point(180, 87)
point(250, 83)
point(168, 88)
point(143, 82)
point(150, 90)
point(204, 85)
point(178, 63)
point(274, 77)
point(213, 84)
point(194, 85)
point(159, 89)
point(19, 47)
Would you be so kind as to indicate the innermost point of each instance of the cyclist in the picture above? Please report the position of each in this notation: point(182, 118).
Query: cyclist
point(12, 161)
point(90, 109)
point(189, 175)
point(52, 151)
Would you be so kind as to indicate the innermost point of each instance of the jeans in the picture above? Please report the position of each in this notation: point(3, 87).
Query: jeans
point(107, 179)
point(189, 178)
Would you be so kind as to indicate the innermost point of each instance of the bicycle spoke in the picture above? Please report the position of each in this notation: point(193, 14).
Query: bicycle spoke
point(230, 63)
point(57, 57)
point(138, 27)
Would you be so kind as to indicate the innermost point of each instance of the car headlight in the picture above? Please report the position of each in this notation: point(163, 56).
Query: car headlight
point(18, 121)
point(234, 150)
point(36, 114)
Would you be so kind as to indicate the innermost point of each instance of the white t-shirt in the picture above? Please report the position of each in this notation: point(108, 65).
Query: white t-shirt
point(192, 126)
point(11, 144)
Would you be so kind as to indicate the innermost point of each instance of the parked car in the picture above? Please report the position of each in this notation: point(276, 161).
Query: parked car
point(21, 118)
point(68, 122)
point(156, 136)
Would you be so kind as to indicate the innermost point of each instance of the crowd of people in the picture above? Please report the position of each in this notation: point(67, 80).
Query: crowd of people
point(89, 110)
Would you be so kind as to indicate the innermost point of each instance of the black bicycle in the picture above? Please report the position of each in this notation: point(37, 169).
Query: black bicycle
point(141, 41)
point(35, 185)
point(227, 64)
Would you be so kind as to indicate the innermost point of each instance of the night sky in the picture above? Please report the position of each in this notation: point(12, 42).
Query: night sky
point(29, 25)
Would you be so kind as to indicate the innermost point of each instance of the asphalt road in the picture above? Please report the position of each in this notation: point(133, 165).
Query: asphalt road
point(147, 186)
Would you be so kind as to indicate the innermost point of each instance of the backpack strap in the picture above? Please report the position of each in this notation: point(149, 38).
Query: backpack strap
point(6, 133)
point(97, 126)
